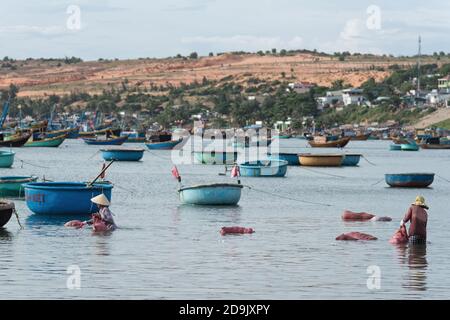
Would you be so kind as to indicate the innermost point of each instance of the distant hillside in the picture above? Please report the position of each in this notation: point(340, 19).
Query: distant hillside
point(38, 78)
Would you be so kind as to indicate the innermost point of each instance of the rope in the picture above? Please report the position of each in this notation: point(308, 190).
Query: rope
point(318, 172)
point(33, 165)
point(289, 198)
point(18, 220)
point(446, 180)
point(368, 160)
point(98, 151)
point(373, 185)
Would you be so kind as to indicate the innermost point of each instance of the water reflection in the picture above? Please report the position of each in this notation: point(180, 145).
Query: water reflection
point(226, 214)
point(415, 256)
point(101, 246)
point(5, 235)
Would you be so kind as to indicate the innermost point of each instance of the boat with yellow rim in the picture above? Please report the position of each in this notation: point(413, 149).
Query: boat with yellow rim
point(321, 160)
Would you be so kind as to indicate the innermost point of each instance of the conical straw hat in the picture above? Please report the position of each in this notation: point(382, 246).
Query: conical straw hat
point(101, 200)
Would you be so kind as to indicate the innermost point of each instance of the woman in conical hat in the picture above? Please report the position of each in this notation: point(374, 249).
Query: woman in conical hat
point(104, 215)
point(418, 216)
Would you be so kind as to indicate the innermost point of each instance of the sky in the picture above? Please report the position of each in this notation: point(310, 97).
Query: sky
point(128, 29)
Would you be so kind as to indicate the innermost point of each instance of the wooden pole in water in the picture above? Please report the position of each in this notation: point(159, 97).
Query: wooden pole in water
point(101, 173)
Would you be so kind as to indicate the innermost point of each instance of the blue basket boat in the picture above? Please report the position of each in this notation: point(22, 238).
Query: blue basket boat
point(105, 142)
point(166, 145)
point(410, 180)
point(219, 194)
point(6, 159)
point(291, 158)
point(410, 147)
point(120, 154)
point(269, 168)
point(64, 198)
point(351, 160)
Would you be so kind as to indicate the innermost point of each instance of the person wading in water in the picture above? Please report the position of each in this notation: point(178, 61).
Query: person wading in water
point(418, 216)
point(104, 213)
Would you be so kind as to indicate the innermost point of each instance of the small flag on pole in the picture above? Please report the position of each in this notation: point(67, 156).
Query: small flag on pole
point(176, 174)
point(235, 172)
point(103, 174)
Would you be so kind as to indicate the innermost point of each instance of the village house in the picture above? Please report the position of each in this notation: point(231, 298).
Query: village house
point(353, 96)
point(444, 84)
point(331, 99)
point(301, 87)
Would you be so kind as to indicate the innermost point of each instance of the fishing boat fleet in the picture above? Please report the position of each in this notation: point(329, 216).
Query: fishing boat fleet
point(69, 198)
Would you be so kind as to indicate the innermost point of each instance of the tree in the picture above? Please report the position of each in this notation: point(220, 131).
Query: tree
point(283, 52)
point(193, 56)
point(211, 54)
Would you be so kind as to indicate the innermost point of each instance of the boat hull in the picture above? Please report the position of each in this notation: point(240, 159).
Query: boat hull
point(340, 143)
point(410, 180)
point(272, 168)
point(291, 158)
point(122, 154)
point(310, 160)
point(110, 142)
point(6, 159)
point(6, 211)
point(435, 146)
point(63, 198)
point(47, 143)
point(351, 160)
point(395, 147)
point(14, 186)
point(211, 195)
point(215, 157)
point(167, 145)
point(409, 147)
point(16, 142)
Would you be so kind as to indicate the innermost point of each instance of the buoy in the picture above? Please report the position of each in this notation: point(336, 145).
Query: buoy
point(236, 230)
point(362, 216)
point(400, 236)
point(75, 224)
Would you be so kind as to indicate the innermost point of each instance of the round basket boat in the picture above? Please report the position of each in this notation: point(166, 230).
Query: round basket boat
point(410, 180)
point(122, 154)
point(6, 159)
point(12, 186)
point(321, 160)
point(64, 198)
point(6, 211)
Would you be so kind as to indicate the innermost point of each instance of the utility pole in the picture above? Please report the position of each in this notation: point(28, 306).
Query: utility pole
point(419, 65)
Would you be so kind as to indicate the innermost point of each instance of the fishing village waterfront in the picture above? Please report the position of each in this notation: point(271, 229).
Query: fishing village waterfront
point(166, 250)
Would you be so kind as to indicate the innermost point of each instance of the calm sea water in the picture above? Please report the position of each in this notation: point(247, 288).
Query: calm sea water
point(164, 250)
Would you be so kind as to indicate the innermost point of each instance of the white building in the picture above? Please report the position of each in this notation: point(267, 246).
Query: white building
point(353, 96)
point(332, 98)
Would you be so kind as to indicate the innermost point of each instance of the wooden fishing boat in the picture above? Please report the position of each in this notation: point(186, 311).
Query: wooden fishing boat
point(219, 194)
point(6, 159)
point(269, 168)
point(167, 145)
point(321, 160)
point(70, 133)
point(319, 142)
point(430, 146)
point(351, 160)
point(47, 142)
point(16, 141)
point(361, 137)
point(93, 134)
point(122, 154)
point(410, 180)
point(64, 198)
point(12, 186)
point(291, 158)
point(225, 157)
point(6, 211)
point(114, 141)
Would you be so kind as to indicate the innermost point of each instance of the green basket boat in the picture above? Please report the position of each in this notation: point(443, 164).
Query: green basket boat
point(6, 159)
point(13, 186)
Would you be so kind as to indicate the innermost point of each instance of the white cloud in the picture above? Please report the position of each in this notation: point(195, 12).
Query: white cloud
point(245, 42)
point(35, 30)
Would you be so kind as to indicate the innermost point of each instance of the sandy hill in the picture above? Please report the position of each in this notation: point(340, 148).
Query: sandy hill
point(38, 78)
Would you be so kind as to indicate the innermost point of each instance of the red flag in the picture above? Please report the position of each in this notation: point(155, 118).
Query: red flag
point(103, 175)
point(176, 174)
point(235, 172)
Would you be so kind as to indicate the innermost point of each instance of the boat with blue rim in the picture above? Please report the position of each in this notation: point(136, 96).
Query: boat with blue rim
point(122, 154)
point(351, 160)
point(13, 186)
point(217, 194)
point(64, 198)
point(410, 180)
point(6, 158)
point(166, 145)
point(112, 141)
point(291, 158)
point(264, 168)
